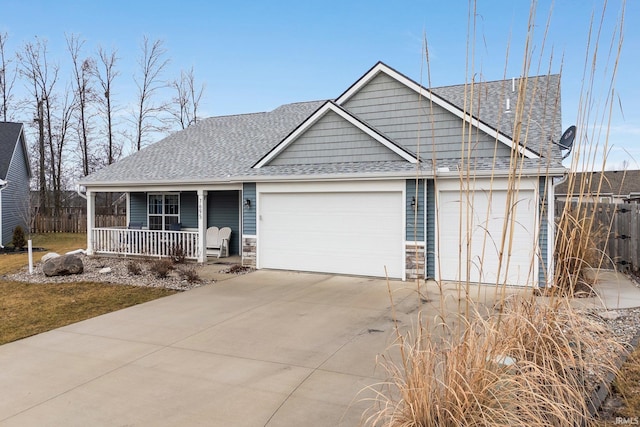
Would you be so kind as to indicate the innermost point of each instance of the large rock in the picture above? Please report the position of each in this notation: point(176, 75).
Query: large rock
point(46, 257)
point(63, 266)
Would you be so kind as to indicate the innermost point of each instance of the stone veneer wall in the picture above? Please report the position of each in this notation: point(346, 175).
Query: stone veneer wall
point(415, 260)
point(249, 251)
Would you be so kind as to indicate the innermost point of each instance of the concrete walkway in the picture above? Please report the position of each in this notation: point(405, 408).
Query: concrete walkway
point(615, 291)
point(262, 349)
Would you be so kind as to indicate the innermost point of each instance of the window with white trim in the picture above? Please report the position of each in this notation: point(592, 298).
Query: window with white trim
point(163, 210)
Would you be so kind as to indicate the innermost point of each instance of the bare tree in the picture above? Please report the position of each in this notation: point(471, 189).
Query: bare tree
point(187, 99)
point(152, 63)
point(106, 73)
point(58, 138)
point(8, 74)
point(83, 71)
point(41, 78)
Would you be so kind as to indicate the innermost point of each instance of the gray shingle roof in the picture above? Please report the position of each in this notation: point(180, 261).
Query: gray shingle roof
point(541, 113)
point(617, 183)
point(212, 150)
point(224, 148)
point(426, 167)
point(9, 137)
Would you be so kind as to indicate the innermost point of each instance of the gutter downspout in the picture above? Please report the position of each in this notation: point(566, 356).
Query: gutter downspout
point(551, 221)
point(78, 190)
point(3, 185)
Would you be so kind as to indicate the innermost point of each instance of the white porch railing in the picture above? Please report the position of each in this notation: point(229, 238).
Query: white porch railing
point(155, 243)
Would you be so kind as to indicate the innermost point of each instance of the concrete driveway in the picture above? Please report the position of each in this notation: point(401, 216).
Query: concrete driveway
point(263, 349)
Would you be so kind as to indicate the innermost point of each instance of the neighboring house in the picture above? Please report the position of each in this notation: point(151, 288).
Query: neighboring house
point(367, 184)
point(15, 174)
point(606, 187)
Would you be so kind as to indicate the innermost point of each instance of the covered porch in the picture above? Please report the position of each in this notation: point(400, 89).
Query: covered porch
point(168, 222)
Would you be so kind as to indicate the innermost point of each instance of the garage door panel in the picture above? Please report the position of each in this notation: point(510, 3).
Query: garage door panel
point(477, 236)
point(350, 233)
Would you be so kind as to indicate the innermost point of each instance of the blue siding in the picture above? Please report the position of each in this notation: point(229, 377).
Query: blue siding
point(15, 196)
point(332, 139)
point(415, 217)
point(431, 229)
point(543, 241)
point(401, 114)
point(138, 208)
point(189, 209)
point(249, 213)
point(223, 210)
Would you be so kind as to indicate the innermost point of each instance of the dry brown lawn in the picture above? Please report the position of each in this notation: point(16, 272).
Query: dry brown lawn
point(31, 308)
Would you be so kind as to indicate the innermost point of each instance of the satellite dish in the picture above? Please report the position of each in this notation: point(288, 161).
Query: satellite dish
point(566, 140)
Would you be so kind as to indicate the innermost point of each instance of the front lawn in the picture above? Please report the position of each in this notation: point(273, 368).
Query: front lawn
point(32, 308)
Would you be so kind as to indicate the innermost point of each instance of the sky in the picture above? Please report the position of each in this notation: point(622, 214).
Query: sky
point(256, 55)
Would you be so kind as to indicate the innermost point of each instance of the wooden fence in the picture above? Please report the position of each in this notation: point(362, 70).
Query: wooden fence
point(74, 223)
point(619, 225)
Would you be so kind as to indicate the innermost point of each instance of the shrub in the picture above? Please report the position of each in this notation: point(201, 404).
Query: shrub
point(177, 254)
point(161, 267)
point(190, 274)
point(19, 241)
point(238, 269)
point(134, 268)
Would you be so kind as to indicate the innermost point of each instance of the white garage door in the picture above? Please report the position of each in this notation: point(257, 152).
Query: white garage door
point(482, 232)
point(335, 232)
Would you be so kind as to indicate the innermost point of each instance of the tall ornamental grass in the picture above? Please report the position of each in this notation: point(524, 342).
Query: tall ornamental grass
point(530, 361)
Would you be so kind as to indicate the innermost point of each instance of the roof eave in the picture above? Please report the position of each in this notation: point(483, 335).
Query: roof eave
point(531, 172)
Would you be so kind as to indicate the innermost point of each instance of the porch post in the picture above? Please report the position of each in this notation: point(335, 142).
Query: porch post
point(202, 225)
point(91, 208)
point(128, 204)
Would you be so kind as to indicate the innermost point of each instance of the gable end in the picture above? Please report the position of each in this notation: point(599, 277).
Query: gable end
point(429, 96)
point(333, 135)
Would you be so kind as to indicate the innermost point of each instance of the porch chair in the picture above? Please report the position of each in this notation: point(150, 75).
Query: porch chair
point(218, 241)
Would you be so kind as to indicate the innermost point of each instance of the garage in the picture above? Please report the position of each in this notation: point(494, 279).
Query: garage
point(332, 229)
point(481, 232)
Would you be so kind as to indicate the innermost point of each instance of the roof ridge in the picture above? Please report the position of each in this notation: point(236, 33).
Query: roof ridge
point(255, 113)
point(493, 81)
point(236, 115)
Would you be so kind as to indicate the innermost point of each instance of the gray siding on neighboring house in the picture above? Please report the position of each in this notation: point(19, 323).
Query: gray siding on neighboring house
point(415, 217)
point(223, 210)
point(138, 208)
point(399, 113)
point(189, 209)
point(249, 214)
point(15, 196)
point(332, 139)
point(543, 241)
point(431, 230)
